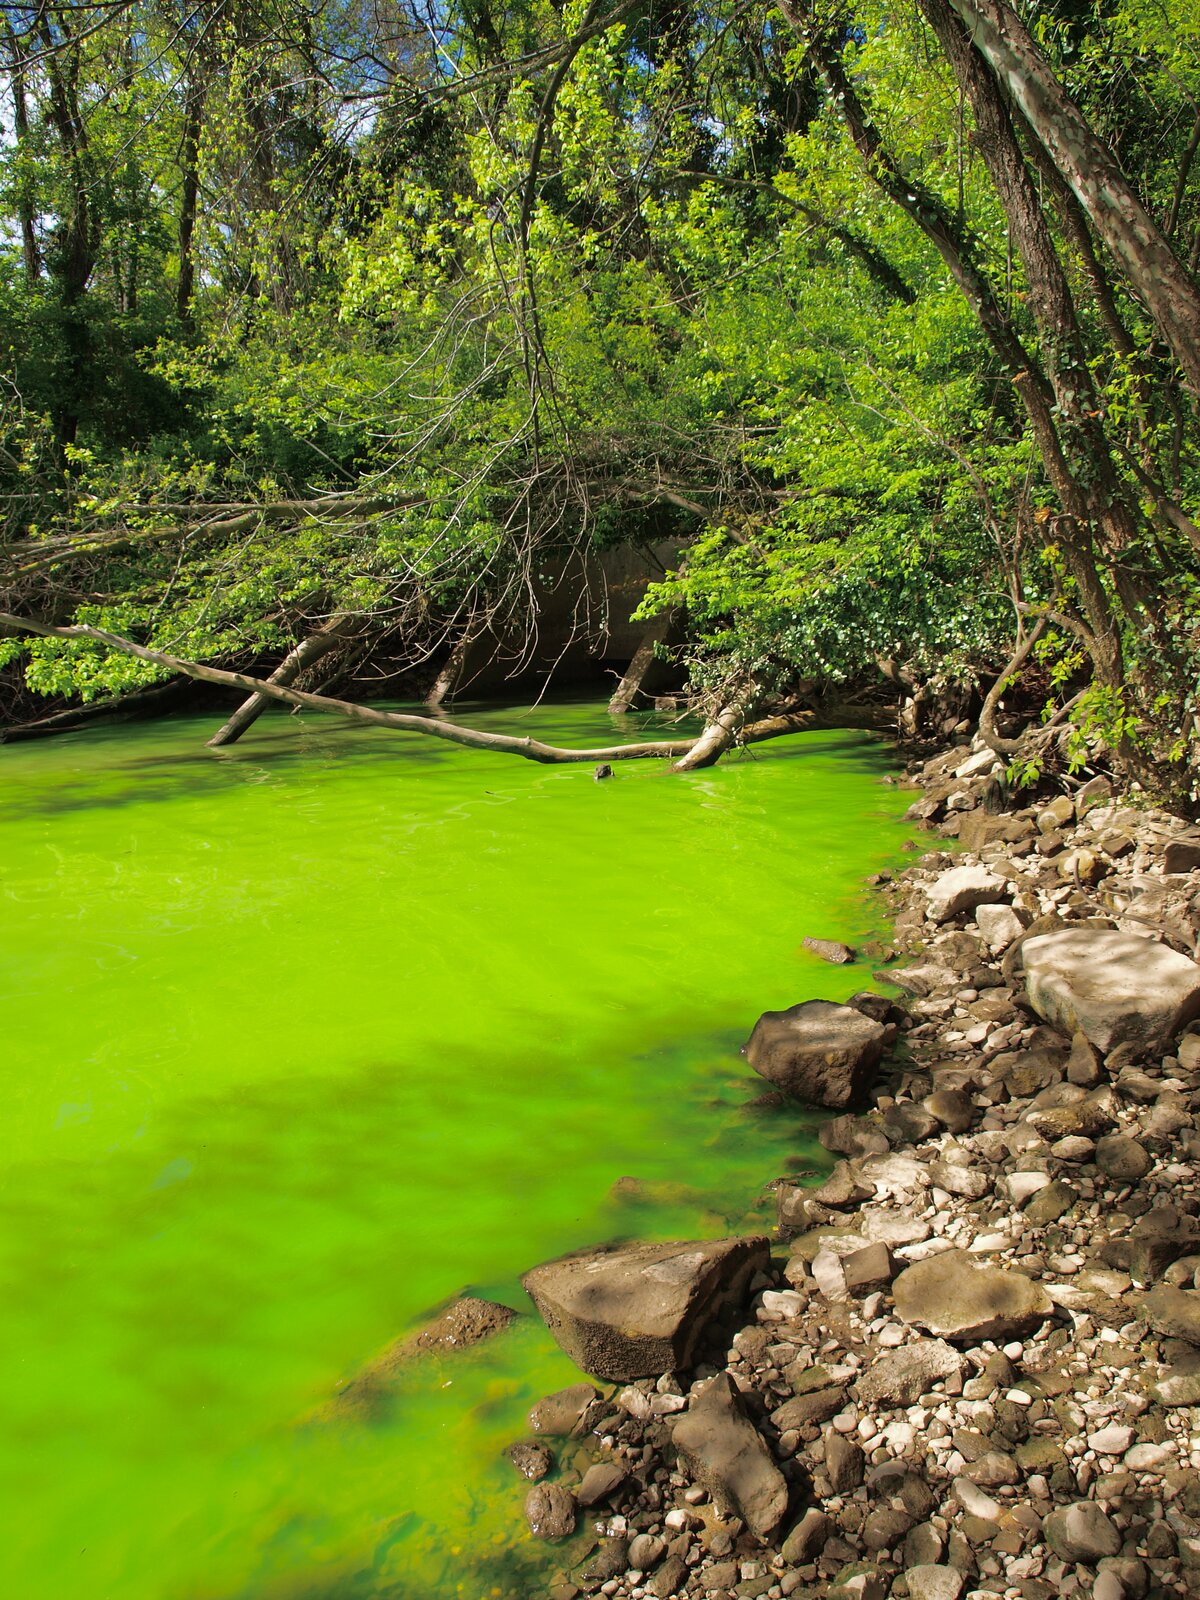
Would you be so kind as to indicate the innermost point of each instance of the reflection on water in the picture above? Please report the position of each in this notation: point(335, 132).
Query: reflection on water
point(305, 1037)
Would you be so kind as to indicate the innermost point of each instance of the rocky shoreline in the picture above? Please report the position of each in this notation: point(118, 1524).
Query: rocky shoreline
point(968, 1364)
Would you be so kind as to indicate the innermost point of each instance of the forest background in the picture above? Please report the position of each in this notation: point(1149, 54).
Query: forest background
point(343, 321)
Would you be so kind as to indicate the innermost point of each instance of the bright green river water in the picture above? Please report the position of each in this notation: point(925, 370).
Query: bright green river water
point(302, 1039)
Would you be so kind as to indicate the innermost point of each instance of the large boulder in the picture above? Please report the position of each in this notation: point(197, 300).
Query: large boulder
point(638, 1311)
point(963, 889)
point(957, 1298)
point(818, 1052)
point(727, 1455)
point(1117, 988)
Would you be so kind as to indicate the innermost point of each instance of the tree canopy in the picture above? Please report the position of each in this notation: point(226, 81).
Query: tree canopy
point(888, 315)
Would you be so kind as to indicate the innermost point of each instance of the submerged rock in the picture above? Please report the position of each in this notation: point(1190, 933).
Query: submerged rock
point(728, 1456)
point(1117, 988)
point(831, 950)
point(550, 1511)
point(818, 1052)
point(639, 1311)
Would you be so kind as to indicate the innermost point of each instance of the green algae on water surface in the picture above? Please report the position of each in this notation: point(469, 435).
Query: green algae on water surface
point(305, 1037)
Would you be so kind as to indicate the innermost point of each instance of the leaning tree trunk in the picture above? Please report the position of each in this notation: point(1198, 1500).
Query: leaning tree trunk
point(306, 654)
point(644, 659)
point(1155, 272)
point(721, 732)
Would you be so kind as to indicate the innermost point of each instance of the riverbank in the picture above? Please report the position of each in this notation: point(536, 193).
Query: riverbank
point(971, 1360)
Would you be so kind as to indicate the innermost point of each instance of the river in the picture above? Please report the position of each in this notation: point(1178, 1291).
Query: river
point(304, 1037)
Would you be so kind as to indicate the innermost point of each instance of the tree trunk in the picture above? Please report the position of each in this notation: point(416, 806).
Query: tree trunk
point(1156, 274)
point(644, 658)
point(306, 654)
point(447, 679)
point(721, 731)
point(189, 156)
point(31, 256)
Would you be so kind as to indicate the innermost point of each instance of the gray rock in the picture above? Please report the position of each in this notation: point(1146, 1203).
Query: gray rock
point(1175, 1313)
point(1081, 1532)
point(807, 1539)
point(550, 1511)
point(953, 1108)
point(1122, 1158)
point(1117, 988)
point(845, 1463)
point(964, 889)
point(727, 1455)
point(999, 925)
point(646, 1551)
point(953, 1295)
point(831, 950)
point(1182, 855)
point(868, 1270)
point(818, 1052)
point(640, 1310)
point(902, 1376)
point(935, 1583)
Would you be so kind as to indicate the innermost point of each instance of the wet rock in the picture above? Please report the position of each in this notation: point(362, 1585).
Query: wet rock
point(566, 1412)
point(1081, 1532)
point(935, 1583)
point(600, 1482)
point(532, 1460)
point(853, 1136)
point(902, 1376)
point(550, 1511)
point(728, 1456)
point(668, 1579)
point(952, 1295)
point(964, 889)
point(831, 950)
point(818, 1052)
point(640, 1310)
point(1117, 988)
point(604, 1564)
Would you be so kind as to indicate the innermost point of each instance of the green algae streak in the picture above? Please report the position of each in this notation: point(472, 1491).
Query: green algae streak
point(305, 1037)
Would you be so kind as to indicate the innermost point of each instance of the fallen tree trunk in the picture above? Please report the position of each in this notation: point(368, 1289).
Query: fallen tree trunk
point(645, 659)
point(715, 739)
point(306, 654)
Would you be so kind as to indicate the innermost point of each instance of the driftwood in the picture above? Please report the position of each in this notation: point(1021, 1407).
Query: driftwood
point(728, 727)
point(306, 654)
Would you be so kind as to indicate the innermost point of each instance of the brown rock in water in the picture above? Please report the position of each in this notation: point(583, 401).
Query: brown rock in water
point(566, 1412)
point(640, 1310)
point(831, 950)
point(727, 1455)
point(464, 1322)
point(818, 1052)
point(532, 1460)
point(550, 1511)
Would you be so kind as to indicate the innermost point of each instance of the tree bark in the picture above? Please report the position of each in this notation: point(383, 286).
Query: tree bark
point(721, 731)
point(644, 658)
point(1143, 251)
point(306, 654)
point(715, 739)
point(190, 161)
